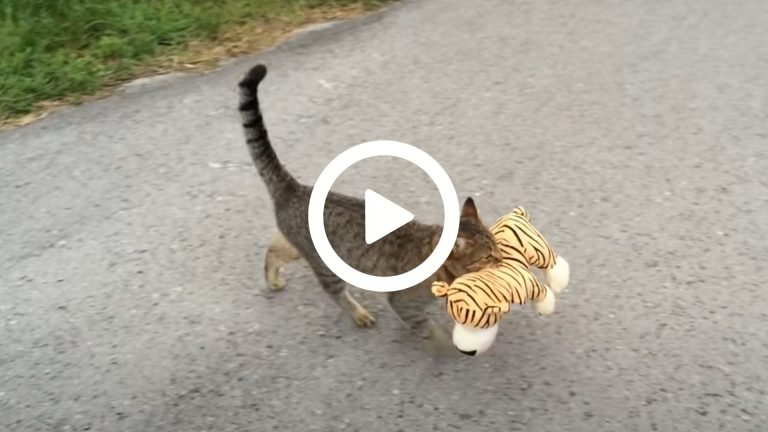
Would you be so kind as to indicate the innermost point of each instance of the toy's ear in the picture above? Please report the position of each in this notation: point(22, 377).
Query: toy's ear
point(440, 289)
point(520, 212)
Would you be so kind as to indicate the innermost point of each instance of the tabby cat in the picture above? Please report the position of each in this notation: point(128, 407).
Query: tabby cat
point(396, 253)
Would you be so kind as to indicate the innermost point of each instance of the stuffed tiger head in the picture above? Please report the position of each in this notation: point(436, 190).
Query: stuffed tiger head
point(478, 301)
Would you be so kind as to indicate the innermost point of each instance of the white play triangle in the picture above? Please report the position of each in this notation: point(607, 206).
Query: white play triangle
point(382, 216)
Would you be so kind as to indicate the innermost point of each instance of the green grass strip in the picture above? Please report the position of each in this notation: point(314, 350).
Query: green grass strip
point(52, 49)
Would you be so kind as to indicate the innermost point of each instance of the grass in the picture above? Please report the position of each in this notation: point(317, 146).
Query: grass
point(54, 50)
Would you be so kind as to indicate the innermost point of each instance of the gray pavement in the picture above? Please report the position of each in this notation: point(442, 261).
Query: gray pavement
point(133, 229)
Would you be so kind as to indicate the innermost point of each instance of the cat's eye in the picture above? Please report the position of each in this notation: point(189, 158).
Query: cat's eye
point(482, 263)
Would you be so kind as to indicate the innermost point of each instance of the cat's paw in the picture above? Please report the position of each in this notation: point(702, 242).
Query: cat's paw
point(439, 343)
point(275, 282)
point(436, 333)
point(363, 318)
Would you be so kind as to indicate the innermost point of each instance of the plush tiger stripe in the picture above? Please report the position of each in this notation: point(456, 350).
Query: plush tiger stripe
point(515, 231)
point(480, 299)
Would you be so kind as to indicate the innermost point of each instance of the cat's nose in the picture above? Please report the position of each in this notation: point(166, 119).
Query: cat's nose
point(469, 353)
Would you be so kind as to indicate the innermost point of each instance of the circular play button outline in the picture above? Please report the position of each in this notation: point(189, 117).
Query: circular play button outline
point(450, 215)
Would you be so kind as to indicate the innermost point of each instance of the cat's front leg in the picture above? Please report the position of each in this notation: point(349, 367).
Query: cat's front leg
point(337, 289)
point(410, 305)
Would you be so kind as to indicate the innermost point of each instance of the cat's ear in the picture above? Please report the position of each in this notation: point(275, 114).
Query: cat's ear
point(469, 211)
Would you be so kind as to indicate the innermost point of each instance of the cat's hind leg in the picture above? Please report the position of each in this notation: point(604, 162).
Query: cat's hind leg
point(279, 253)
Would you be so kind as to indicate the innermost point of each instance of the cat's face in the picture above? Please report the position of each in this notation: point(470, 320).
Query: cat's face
point(475, 247)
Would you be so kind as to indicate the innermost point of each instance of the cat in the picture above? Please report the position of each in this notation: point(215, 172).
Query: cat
point(395, 253)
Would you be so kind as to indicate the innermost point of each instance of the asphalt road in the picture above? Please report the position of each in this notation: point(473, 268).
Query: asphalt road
point(636, 133)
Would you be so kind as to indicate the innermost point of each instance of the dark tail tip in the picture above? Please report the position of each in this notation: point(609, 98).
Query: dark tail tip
point(254, 76)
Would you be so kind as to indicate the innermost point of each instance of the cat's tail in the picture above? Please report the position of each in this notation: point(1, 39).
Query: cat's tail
point(276, 177)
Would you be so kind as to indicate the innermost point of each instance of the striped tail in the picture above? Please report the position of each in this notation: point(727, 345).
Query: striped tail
point(275, 176)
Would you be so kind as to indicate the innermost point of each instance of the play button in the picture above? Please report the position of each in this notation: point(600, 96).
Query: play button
point(382, 216)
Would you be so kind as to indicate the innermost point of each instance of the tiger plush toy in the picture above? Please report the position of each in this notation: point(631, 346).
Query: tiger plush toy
point(477, 301)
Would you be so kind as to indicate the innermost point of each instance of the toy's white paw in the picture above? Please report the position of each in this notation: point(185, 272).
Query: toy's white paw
point(557, 277)
point(546, 306)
